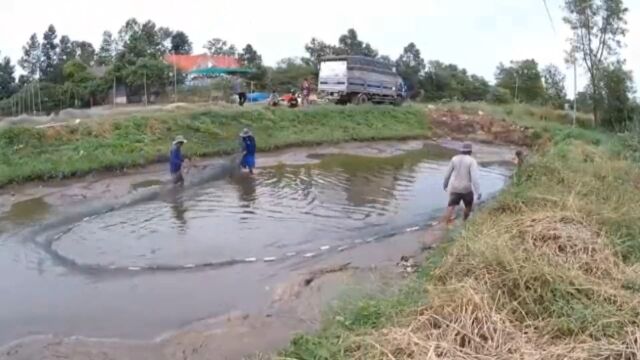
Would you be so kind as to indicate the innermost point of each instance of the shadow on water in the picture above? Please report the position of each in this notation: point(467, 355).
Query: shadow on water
point(246, 187)
point(175, 198)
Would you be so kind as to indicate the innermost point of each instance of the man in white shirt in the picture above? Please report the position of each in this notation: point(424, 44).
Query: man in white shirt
point(462, 181)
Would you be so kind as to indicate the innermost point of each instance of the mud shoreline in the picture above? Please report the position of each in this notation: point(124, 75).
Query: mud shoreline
point(296, 303)
point(114, 185)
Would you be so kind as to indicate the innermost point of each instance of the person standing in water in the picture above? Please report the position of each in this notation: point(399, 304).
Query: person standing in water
point(176, 160)
point(249, 150)
point(462, 182)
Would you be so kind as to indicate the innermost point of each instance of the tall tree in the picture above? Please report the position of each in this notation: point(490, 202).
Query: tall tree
point(598, 29)
point(250, 57)
point(410, 66)
point(616, 90)
point(84, 51)
point(164, 35)
point(447, 81)
point(49, 50)
point(67, 51)
point(139, 41)
point(7, 78)
point(476, 88)
point(155, 71)
point(31, 57)
point(289, 73)
point(317, 49)
point(554, 79)
point(107, 50)
point(180, 44)
point(217, 46)
point(77, 72)
point(522, 79)
point(387, 60)
point(350, 44)
point(78, 81)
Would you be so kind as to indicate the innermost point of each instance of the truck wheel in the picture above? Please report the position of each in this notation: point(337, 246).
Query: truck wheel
point(398, 102)
point(361, 99)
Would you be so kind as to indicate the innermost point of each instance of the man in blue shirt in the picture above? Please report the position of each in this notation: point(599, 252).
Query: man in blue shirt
point(176, 159)
point(249, 150)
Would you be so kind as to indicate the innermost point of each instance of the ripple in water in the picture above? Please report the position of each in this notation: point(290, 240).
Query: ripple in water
point(281, 210)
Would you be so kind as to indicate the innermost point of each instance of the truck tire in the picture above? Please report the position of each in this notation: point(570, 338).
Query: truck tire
point(360, 99)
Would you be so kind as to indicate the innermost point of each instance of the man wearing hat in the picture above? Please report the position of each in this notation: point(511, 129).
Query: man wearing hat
point(176, 159)
point(461, 181)
point(249, 150)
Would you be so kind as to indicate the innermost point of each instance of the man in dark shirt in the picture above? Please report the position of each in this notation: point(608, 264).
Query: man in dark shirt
point(176, 159)
point(249, 150)
point(238, 89)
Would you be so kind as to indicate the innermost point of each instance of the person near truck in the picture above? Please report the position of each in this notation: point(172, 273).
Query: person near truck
point(274, 98)
point(176, 160)
point(306, 92)
point(462, 182)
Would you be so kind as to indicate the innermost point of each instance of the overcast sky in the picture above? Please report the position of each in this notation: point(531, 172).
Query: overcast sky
point(475, 34)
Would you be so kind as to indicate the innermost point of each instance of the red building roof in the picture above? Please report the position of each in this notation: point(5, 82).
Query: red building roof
point(187, 63)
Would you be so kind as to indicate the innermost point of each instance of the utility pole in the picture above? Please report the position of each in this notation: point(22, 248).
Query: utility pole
point(39, 97)
point(114, 91)
point(33, 99)
point(175, 78)
point(575, 90)
point(145, 88)
point(517, 83)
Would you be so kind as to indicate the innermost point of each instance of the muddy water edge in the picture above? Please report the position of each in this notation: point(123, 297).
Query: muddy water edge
point(225, 267)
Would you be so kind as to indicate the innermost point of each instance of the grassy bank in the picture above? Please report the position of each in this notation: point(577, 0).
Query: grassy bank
point(58, 152)
point(549, 271)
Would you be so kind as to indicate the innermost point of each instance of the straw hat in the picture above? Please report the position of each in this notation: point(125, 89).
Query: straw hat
point(245, 132)
point(179, 139)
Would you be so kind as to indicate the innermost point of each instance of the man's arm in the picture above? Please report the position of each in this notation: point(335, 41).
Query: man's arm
point(475, 179)
point(447, 175)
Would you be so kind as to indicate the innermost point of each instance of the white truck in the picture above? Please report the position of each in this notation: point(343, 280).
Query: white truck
point(359, 80)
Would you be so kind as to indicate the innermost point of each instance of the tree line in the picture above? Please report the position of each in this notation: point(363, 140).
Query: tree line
point(66, 70)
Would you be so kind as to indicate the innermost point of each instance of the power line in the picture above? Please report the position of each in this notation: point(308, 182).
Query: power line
point(553, 27)
point(575, 66)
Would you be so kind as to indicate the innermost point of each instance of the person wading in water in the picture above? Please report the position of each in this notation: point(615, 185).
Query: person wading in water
point(249, 150)
point(176, 159)
point(462, 181)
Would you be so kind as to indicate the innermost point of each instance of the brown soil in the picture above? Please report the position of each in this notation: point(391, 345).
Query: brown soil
point(478, 127)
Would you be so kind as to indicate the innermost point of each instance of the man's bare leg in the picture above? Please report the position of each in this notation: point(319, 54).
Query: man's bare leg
point(448, 215)
point(467, 212)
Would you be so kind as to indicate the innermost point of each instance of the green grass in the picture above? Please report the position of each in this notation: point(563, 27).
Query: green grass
point(550, 270)
point(54, 153)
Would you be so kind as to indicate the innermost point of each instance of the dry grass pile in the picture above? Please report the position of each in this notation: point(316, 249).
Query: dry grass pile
point(540, 276)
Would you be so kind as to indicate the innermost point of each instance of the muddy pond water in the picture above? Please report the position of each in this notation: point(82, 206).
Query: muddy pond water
point(207, 250)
